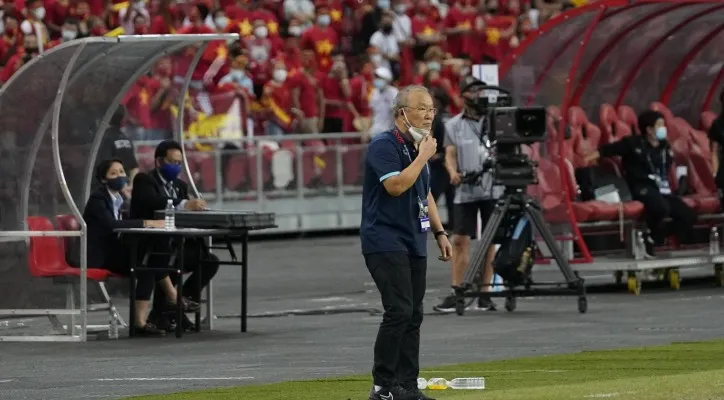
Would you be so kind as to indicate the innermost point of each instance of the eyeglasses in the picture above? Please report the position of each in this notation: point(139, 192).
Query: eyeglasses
point(424, 110)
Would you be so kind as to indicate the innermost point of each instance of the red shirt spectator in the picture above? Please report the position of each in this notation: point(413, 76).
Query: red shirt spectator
point(276, 100)
point(336, 92)
point(138, 105)
point(167, 19)
point(11, 41)
point(321, 38)
point(57, 12)
point(306, 91)
point(458, 26)
point(160, 90)
point(361, 87)
point(494, 31)
point(211, 64)
point(425, 30)
point(291, 53)
point(261, 52)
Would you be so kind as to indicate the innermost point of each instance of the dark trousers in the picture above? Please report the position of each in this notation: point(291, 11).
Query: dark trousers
point(659, 206)
point(400, 278)
point(194, 251)
point(440, 184)
point(119, 263)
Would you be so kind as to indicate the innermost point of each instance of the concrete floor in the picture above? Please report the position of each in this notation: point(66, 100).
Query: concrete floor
point(329, 273)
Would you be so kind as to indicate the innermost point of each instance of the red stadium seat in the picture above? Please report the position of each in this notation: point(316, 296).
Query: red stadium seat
point(352, 165)
point(66, 222)
point(237, 173)
point(46, 257)
point(700, 142)
point(607, 119)
point(661, 108)
point(707, 118)
point(628, 116)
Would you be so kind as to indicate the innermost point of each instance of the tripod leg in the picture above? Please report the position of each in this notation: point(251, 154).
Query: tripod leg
point(486, 240)
point(539, 223)
point(480, 255)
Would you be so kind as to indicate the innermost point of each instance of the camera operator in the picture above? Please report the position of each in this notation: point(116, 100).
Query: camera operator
point(467, 149)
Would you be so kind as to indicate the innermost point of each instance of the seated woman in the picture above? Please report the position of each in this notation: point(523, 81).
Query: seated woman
point(645, 164)
point(106, 250)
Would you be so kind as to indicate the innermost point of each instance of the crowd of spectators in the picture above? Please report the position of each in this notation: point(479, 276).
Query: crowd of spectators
point(302, 66)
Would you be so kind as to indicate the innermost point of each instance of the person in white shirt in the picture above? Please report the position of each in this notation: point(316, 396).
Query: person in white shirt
point(402, 24)
point(386, 44)
point(128, 15)
point(302, 10)
point(381, 102)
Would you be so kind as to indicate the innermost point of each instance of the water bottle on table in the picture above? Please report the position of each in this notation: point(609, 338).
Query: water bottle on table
point(170, 218)
point(457, 383)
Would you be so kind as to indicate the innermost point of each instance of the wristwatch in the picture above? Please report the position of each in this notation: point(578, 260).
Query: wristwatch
point(439, 233)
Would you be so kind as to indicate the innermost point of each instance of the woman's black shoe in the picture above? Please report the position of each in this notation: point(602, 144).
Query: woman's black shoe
point(148, 330)
point(189, 306)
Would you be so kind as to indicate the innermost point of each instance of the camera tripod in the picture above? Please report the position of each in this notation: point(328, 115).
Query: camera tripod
point(519, 204)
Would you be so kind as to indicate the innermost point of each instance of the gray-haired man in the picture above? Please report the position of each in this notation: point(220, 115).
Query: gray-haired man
point(466, 149)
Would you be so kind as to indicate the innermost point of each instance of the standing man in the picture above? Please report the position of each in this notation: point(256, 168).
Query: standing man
point(466, 149)
point(398, 211)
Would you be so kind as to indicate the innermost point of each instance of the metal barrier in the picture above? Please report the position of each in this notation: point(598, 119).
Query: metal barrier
point(313, 182)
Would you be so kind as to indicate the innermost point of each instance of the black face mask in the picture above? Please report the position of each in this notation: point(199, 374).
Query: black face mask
point(387, 29)
point(31, 50)
point(493, 10)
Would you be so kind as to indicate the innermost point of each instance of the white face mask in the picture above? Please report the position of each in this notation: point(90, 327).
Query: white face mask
point(221, 22)
point(400, 8)
point(261, 32)
point(417, 133)
point(69, 35)
point(295, 30)
point(39, 13)
point(279, 75)
point(324, 20)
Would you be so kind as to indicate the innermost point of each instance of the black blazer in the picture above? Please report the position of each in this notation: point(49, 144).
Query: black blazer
point(149, 194)
point(104, 246)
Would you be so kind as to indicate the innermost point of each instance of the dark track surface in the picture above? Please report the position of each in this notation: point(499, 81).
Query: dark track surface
point(308, 274)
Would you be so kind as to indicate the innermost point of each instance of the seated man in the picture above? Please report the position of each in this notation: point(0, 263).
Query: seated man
point(151, 192)
point(646, 161)
point(102, 215)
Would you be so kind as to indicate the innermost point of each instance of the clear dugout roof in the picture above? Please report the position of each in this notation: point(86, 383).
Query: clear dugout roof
point(624, 52)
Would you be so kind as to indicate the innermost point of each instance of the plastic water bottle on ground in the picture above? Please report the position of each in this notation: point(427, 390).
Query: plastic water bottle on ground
point(113, 328)
point(170, 220)
point(421, 383)
point(457, 383)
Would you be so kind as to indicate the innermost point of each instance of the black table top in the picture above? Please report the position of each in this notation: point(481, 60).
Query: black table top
point(191, 232)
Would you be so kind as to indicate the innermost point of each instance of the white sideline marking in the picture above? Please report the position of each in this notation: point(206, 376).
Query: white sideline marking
point(602, 395)
point(549, 371)
point(330, 299)
point(219, 378)
point(7, 380)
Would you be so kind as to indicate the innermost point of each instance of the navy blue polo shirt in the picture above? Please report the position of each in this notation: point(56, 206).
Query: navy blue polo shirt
point(389, 223)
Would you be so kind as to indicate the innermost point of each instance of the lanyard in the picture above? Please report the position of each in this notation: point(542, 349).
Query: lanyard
point(660, 172)
point(424, 185)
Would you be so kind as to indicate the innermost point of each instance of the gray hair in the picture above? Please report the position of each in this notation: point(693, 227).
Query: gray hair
point(403, 95)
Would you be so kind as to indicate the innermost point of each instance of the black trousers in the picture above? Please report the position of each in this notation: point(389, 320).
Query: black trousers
point(440, 184)
point(400, 278)
point(659, 206)
point(194, 251)
point(119, 263)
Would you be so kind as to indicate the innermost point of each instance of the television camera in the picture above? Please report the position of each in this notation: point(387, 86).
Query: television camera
point(509, 129)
